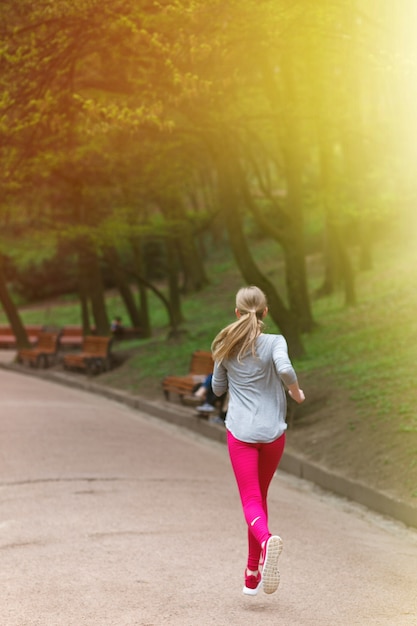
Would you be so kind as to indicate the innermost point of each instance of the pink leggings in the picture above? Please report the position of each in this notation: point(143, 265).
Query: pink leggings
point(254, 465)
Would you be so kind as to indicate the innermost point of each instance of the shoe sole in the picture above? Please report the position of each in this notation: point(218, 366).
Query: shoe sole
point(252, 592)
point(270, 572)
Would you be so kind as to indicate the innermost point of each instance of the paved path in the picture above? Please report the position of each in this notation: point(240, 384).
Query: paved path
point(111, 518)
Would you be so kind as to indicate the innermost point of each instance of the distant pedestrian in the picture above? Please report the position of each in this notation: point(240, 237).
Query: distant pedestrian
point(255, 368)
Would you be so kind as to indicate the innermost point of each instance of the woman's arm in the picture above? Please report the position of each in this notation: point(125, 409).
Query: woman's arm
point(219, 381)
point(296, 393)
point(286, 371)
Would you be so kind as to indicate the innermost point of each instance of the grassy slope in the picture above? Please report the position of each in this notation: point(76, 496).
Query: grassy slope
point(367, 352)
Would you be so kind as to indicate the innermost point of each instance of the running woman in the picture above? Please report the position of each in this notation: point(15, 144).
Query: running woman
point(255, 368)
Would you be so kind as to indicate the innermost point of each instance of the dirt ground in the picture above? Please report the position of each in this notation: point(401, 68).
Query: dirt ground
point(328, 430)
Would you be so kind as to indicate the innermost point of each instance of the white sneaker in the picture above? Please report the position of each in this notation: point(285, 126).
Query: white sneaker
point(270, 572)
point(205, 408)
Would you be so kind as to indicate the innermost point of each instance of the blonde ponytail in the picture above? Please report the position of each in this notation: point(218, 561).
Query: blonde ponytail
point(239, 337)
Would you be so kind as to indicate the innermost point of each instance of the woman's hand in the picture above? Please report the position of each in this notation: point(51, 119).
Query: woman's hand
point(297, 394)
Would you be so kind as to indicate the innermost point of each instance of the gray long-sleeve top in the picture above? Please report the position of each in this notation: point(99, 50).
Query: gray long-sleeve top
point(257, 402)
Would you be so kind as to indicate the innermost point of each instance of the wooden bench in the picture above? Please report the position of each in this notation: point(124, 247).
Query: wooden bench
point(43, 353)
point(8, 339)
point(200, 366)
point(128, 332)
point(71, 337)
point(95, 355)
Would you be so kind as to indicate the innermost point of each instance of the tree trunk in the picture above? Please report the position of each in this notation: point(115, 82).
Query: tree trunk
point(346, 269)
point(356, 165)
point(336, 242)
point(297, 288)
point(288, 135)
point(188, 256)
point(83, 291)
point(122, 284)
point(90, 266)
point(331, 269)
point(144, 316)
point(293, 244)
point(365, 248)
point(173, 287)
point(12, 312)
point(355, 142)
point(195, 277)
point(323, 70)
point(229, 201)
point(173, 315)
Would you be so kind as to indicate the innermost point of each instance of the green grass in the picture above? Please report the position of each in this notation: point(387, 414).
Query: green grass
point(370, 349)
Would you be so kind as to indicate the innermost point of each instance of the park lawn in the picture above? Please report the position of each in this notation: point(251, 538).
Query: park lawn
point(358, 367)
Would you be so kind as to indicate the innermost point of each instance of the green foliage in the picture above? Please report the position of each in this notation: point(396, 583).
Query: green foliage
point(113, 114)
point(369, 350)
point(26, 253)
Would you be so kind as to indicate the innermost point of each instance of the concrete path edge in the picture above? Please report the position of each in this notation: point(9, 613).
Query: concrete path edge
point(291, 463)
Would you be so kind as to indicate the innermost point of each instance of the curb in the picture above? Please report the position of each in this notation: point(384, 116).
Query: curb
point(291, 463)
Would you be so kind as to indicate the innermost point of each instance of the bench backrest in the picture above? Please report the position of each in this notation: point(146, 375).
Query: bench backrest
point(72, 331)
point(201, 362)
point(99, 346)
point(48, 341)
point(31, 330)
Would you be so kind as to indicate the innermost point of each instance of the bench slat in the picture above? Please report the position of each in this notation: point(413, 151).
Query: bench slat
point(94, 355)
point(8, 339)
point(46, 349)
point(200, 366)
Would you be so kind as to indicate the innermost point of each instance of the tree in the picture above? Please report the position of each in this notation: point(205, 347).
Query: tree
point(12, 312)
point(114, 111)
point(76, 79)
point(230, 200)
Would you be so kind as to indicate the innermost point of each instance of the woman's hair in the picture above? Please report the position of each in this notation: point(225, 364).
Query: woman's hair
point(240, 336)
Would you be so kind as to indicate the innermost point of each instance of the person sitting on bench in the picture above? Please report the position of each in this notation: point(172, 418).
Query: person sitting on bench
point(205, 392)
